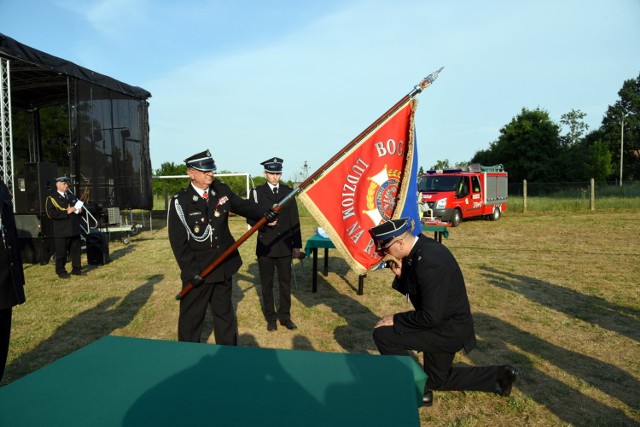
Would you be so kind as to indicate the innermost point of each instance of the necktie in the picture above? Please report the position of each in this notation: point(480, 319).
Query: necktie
point(275, 191)
point(205, 195)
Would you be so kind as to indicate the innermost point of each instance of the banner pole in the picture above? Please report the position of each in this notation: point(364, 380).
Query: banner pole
point(424, 83)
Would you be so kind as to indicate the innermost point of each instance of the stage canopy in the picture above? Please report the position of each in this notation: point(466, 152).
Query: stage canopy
point(94, 128)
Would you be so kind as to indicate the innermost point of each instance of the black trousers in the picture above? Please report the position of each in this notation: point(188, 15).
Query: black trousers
point(72, 245)
point(193, 308)
point(267, 267)
point(437, 363)
point(5, 334)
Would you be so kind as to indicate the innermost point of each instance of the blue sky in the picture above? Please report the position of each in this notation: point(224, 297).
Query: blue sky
point(250, 80)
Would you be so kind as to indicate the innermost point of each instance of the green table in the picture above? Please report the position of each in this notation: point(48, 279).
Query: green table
point(311, 247)
point(120, 381)
point(438, 231)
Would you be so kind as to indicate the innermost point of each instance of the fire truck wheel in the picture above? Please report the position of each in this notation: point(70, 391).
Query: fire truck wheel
point(495, 215)
point(456, 217)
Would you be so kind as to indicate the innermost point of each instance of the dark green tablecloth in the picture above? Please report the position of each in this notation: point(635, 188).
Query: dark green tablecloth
point(119, 381)
point(317, 241)
point(438, 231)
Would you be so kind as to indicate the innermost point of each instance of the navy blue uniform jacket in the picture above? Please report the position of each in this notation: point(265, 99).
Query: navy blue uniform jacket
point(432, 278)
point(193, 256)
point(64, 224)
point(11, 273)
point(280, 240)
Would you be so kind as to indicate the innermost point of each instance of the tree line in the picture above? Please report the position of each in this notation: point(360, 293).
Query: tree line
point(173, 185)
point(533, 147)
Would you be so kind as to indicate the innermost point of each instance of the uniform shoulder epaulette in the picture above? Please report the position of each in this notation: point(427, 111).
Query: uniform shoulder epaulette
point(219, 183)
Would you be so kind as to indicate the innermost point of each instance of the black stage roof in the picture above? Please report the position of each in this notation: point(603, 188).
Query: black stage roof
point(39, 79)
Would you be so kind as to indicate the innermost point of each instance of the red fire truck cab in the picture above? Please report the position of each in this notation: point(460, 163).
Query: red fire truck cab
point(452, 195)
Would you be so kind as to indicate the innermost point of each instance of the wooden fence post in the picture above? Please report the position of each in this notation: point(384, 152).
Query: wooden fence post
point(524, 196)
point(593, 194)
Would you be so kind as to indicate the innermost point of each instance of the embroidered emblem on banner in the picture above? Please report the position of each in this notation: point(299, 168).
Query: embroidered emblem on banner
point(382, 195)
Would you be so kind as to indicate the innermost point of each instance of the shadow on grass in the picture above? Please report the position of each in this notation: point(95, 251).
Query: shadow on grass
point(93, 323)
point(589, 308)
point(355, 336)
point(119, 253)
point(113, 256)
point(564, 401)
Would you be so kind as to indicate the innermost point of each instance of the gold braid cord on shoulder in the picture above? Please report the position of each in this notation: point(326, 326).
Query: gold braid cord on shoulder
point(55, 205)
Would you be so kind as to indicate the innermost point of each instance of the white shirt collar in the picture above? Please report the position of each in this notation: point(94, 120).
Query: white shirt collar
point(199, 191)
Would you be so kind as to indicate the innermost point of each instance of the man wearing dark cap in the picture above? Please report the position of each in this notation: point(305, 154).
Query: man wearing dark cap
point(277, 243)
point(441, 324)
point(63, 208)
point(198, 223)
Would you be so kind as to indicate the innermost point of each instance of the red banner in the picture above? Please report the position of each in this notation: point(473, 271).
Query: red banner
point(366, 186)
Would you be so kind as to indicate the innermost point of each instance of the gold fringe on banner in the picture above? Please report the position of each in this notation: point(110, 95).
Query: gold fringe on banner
point(315, 211)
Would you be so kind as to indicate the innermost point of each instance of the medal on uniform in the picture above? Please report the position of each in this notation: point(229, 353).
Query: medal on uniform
point(222, 201)
point(196, 228)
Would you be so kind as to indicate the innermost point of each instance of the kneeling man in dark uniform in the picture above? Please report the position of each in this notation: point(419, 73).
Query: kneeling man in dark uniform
point(440, 324)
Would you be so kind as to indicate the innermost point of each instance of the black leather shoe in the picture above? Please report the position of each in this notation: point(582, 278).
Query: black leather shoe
point(509, 376)
point(427, 398)
point(289, 324)
point(64, 275)
point(77, 273)
point(272, 326)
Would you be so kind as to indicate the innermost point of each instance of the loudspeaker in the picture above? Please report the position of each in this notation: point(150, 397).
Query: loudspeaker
point(28, 226)
point(97, 248)
point(34, 186)
point(36, 245)
point(37, 250)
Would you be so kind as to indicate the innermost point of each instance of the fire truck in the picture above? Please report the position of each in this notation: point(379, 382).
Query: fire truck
point(452, 195)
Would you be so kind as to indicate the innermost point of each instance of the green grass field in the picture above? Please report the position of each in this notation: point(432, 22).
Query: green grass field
point(556, 294)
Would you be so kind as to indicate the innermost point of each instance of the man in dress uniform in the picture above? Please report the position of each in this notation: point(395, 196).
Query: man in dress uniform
point(11, 274)
point(277, 244)
point(198, 223)
point(440, 324)
point(61, 208)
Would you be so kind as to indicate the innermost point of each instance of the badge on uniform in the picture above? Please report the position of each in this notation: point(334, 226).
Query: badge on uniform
point(196, 228)
point(221, 202)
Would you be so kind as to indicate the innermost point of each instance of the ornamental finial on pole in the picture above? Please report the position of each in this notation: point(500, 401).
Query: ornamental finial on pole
point(426, 82)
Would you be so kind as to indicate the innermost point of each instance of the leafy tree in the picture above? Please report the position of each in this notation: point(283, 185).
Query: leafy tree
point(462, 165)
point(485, 157)
point(626, 109)
point(598, 165)
point(577, 128)
point(237, 183)
point(172, 185)
point(528, 147)
point(441, 164)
